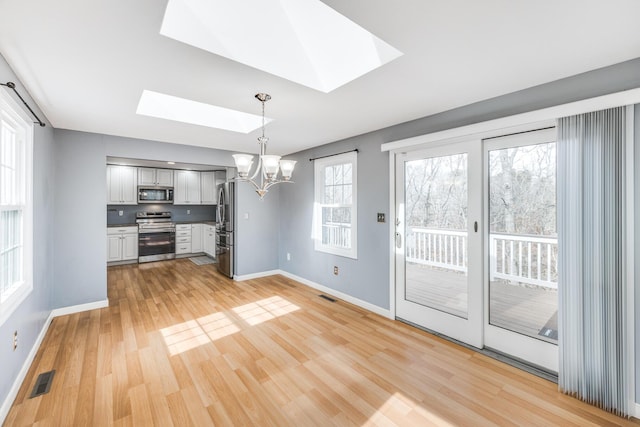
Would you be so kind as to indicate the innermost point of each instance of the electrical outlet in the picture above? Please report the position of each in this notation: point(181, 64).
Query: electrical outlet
point(335, 270)
point(188, 211)
point(288, 256)
point(120, 213)
point(15, 340)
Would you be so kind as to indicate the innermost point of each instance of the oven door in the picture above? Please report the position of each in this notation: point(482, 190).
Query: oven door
point(156, 245)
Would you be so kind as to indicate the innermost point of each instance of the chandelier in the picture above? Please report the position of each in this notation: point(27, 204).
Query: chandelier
point(268, 165)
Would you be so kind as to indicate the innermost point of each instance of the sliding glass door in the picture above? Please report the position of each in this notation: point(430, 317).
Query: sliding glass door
point(476, 244)
point(437, 240)
point(521, 283)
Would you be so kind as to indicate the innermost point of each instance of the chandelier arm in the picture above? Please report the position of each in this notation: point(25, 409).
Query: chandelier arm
point(258, 168)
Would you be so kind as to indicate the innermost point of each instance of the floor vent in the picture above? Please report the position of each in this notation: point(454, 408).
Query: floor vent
point(43, 384)
point(327, 298)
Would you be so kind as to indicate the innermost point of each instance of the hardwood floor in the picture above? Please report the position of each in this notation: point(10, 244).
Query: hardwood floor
point(181, 345)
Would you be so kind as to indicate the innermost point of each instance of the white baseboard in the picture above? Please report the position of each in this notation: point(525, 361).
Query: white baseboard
point(256, 275)
point(345, 297)
point(637, 414)
point(13, 392)
point(79, 308)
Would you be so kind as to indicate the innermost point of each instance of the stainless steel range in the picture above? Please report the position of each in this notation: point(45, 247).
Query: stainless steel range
point(156, 236)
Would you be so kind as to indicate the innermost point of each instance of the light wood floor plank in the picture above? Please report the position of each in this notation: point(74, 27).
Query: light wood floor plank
point(181, 345)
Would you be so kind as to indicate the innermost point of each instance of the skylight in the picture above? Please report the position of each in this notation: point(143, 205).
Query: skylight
point(169, 107)
point(304, 41)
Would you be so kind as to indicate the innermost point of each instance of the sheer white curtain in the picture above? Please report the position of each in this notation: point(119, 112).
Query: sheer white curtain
point(592, 322)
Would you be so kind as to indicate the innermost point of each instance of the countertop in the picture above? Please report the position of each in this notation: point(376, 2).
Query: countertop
point(196, 222)
point(176, 222)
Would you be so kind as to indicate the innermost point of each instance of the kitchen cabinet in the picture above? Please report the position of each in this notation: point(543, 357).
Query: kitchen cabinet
point(122, 244)
point(209, 240)
point(183, 239)
point(155, 177)
point(189, 239)
point(196, 238)
point(208, 186)
point(186, 189)
point(122, 183)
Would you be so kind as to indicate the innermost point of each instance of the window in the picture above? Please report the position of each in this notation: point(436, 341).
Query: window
point(16, 143)
point(335, 213)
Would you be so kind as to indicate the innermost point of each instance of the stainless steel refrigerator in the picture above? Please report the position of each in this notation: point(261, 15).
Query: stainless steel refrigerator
point(224, 228)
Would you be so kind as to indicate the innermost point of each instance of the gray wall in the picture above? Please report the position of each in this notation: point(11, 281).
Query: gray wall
point(256, 237)
point(367, 278)
point(80, 224)
point(30, 316)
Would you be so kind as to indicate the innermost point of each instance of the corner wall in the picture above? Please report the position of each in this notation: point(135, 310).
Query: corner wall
point(30, 317)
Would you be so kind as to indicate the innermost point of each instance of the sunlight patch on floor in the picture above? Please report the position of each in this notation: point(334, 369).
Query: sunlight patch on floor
point(399, 404)
point(194, 333)
point(260, 311)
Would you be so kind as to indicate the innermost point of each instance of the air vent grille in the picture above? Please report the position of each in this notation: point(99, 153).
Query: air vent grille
point(43, 384)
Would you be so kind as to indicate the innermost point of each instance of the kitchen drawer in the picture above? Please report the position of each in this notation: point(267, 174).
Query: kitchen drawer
point(183, 227)
point(121, 230)
point(183, 233)
point(183, 248)
point(183, 239)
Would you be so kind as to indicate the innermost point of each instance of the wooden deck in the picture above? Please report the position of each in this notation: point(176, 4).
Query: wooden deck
point(530, 310)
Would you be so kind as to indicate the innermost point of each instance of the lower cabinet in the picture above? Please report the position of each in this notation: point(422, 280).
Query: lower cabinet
point(196, 238)
point(209, 237)
point(183, 239)
point(122, 244)
point(192, 239)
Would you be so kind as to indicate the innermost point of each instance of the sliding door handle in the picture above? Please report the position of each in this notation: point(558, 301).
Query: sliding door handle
point(475, 226)
point(398, 240)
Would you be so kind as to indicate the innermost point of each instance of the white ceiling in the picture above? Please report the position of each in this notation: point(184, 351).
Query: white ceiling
point(86, 64)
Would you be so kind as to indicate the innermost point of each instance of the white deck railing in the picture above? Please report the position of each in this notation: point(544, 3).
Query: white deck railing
point(518, 258)
point(437, 248)
point(337, 235)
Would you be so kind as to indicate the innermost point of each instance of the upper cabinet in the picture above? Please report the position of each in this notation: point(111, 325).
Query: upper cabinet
point(122, 183)
point(155, 177)
point(208, 183)
point(186, 189)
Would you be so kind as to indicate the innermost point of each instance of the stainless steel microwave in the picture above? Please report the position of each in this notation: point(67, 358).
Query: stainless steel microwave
point(155, 194)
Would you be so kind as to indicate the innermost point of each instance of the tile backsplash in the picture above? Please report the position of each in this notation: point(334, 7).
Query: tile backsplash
point(178, 212)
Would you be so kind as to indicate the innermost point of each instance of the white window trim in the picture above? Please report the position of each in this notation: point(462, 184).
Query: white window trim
point(8, 307)
point(319, 166)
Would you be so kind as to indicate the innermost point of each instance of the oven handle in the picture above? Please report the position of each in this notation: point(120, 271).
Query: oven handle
point(156, 231)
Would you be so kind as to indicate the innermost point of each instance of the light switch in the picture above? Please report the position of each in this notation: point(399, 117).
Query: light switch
point(246, 215)
point(381, 217)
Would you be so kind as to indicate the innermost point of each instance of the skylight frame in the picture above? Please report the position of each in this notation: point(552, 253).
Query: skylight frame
point(304, 41)
point(169, 107)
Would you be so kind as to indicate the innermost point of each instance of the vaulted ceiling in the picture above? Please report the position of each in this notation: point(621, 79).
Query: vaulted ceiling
point(86, 63)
